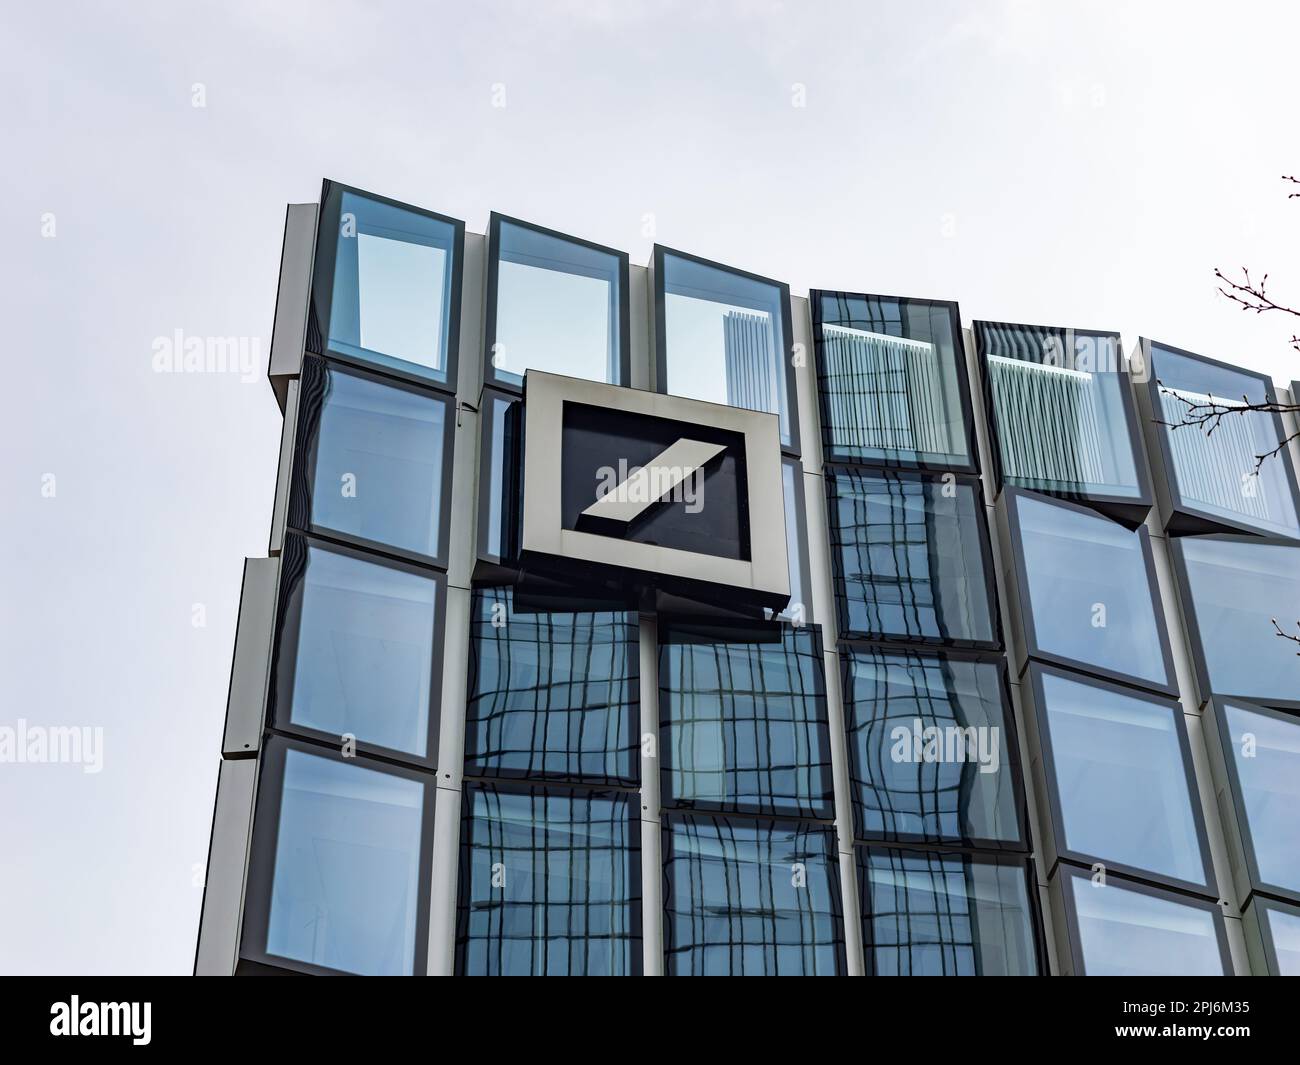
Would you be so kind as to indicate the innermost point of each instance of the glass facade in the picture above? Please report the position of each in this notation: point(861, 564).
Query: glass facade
point(724, 336)
point(1088, 591)
point(892, 381)
point(1120, 779)
point(1279, 929)
point(751, 898)
point(555, 304)
point(932, 749)
point(743, 723)
point(1234, 588)
point(911, 558)
point(932, 914)
point(550, 883)
point(1061, 412)
point(1212, 455)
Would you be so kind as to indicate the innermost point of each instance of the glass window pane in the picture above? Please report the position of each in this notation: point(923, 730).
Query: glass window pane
point(498, 486)
point(744, 898)
point(744, 724)
point(1214, 473)
point(1282, 927)
point(910, 558)
point(1120, 782)
point(890, 371)
point(1266, 755)
point(356, 648)
point(557, 307)
point(550, 884)
point(1090, 597)
point(931, 755)
point(552, 694)
point(799, 609)
point(373, 456)
point(346, 888)
point(1060, 411)
point(927, 914)
point(394, 269)
point(724, 338)
point(1237, 588)
point(1125, 932)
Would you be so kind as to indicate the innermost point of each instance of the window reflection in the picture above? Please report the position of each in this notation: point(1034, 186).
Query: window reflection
point(1265, 752)
point(1280, 925)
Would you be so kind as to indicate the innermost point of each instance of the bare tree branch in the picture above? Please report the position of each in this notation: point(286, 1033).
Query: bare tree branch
point(1293, 637)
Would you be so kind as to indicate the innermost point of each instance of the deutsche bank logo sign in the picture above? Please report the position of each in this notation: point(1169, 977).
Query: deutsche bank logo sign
point(652, 492)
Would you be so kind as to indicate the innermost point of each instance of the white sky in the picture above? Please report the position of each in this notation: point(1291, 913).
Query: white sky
point(1063, 163)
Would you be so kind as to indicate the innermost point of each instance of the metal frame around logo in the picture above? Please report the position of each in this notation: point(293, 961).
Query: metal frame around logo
point(763, 580)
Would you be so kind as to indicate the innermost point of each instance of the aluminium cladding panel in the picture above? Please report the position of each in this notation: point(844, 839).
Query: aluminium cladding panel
point(250, 668)
point(289, 333)
point(223, 888)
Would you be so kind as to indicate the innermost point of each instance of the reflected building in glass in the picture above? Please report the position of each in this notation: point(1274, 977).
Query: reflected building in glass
point(1030, 708)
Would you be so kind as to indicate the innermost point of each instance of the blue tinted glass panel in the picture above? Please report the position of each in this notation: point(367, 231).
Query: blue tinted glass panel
point(393, 273)
point(744, 724)
point(1090, 596)
point(1282, 927)
point(799, 610)
point(889, 371)
point(743, 898)
point(930, 754)
point(1215, 472)
point(1121, 780)
point(356, 649)
point(498, 473)
point(374, 457)
point(909, 556)
point(1124, 932)
point(1059, 411)
point(724, 339)
point(557, 307)
point(346, 889)
point(550, 884)
point(1237, 588)
point(552, 694)
point(926, 914)
point(1266, 753)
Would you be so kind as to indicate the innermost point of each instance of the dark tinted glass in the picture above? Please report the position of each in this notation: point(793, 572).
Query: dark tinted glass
point(1060, 413)
point(393, 273)
point(1126, 932)
point(346, 889)
point(552, 694)
point(744, 898)
point(1215, 472)
point(743, 725)
point(890, 375)
point(373, 460)
point(927, 914)
point(356, 650)
point(910, 558)
point(557, 307)
point(1121, 778)
point(931, 757)
point(550, 884)
point(1091, 598)
point(1236, 589)
point(1265, 750)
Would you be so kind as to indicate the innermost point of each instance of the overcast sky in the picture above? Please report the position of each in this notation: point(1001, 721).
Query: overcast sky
point(1076, 164)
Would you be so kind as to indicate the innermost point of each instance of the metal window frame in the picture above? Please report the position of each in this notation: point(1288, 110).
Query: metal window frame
point(1012, 497)
point(830, 456)
point(534, 787)
point(265, 842)
point(1126, 509)
point(322, 286)
point(1179, 517)
point(1024, 861)
point(832, 475)
point(284, 655)
point(490, 377)
point(1059, 852)
point(306, 444)
point(1073, 937)
point(1191, 620)
point(491, 566)
point(684, 631)
point(1257, 920)
point(852, 651)
point(787, 327)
